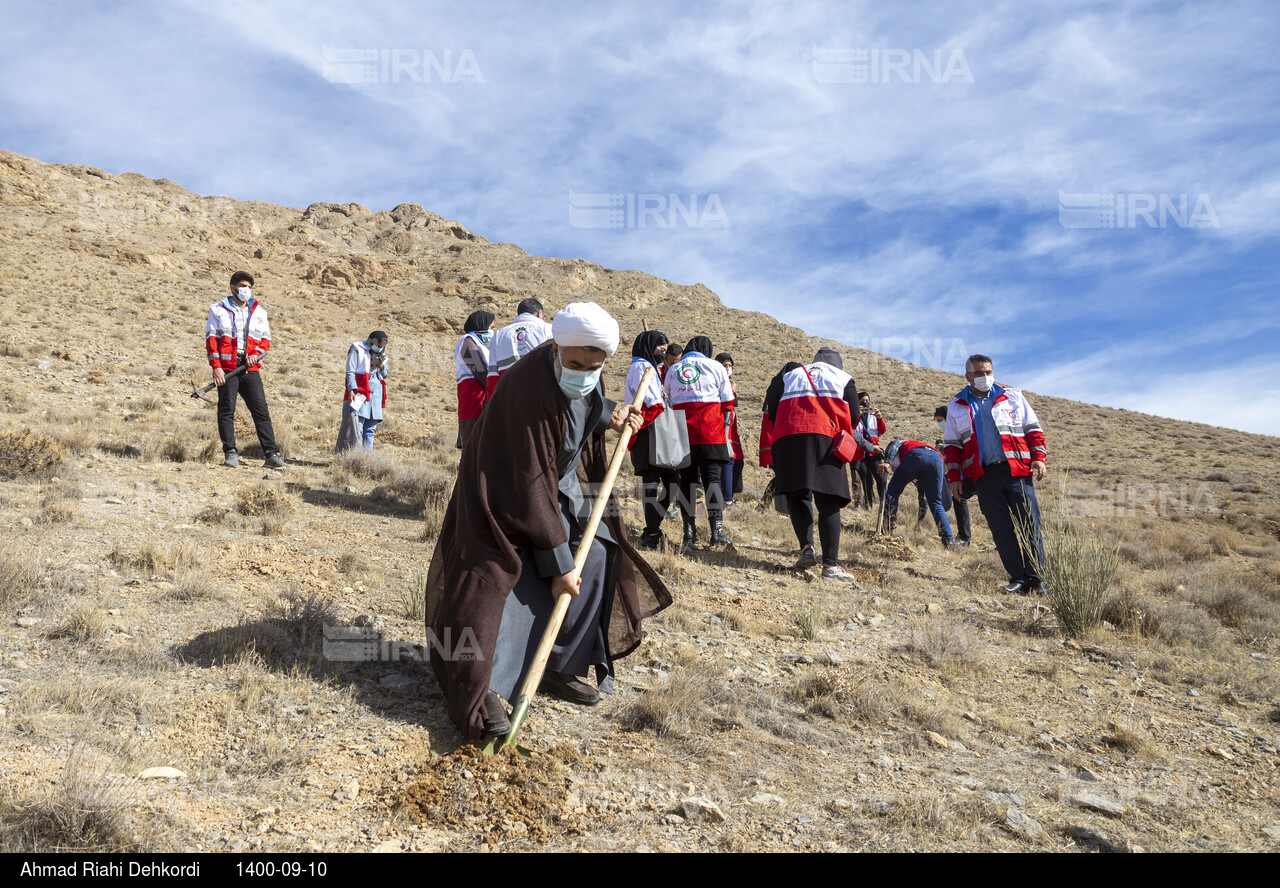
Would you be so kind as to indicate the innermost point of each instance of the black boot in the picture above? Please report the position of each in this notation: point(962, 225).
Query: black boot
point(718, 539)
point(690, 541)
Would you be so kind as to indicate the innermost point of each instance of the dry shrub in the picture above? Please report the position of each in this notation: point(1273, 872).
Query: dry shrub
point(809, 618)
point(1239, 607)
point(1128, 738)
point(1224, 542)
point(1183, 623)
point(262, 499)
point(86, 811)
point(1132, 613)
point(26, 454)
point(1080, 563)
point(944, 643)
point(213, 515)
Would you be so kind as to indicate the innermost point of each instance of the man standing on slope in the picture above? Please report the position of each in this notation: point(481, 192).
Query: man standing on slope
point(993, 438)
point(517, 339)
point(236, 334)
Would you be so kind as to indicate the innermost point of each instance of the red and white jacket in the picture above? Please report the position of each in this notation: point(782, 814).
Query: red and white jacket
point(653, 404)
point(220, 334)
point(766, 441)
point(358, 355)
point(470, 365)
point(1021, 438)
point(512, 343)
point(813, 409)
point(871, 429)
point(700, 387)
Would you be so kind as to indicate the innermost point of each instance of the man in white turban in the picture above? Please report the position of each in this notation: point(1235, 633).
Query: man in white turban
point(507, 544)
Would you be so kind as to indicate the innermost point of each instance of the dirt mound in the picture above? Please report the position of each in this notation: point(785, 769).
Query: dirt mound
point(888, 547)
point(505, 796)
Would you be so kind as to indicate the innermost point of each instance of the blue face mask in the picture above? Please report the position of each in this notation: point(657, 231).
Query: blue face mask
point(578, 383)
point(373, 349)
point(485, 336)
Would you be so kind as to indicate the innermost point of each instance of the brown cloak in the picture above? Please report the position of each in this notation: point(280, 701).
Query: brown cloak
point(505, 501)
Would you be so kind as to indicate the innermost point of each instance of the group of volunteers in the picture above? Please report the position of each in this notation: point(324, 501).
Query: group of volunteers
point(532, 420)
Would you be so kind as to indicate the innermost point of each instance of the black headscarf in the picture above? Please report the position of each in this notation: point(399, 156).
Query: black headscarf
point(646, 344)
point(478, 321)
point(829, 356)
point(724, 356)
point(775, 384)
point(699, 344)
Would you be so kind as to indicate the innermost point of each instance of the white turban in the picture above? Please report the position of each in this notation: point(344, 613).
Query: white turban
point(585, 323)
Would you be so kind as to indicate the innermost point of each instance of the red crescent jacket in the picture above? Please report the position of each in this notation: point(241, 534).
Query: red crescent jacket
point(1021, 438)
point(220, 335)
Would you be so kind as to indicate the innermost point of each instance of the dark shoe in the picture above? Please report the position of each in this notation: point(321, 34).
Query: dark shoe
point(947, 544)
point(274, 461)
point(496, 723)
point(717, 536)
point(652, 542)
point(230, 459)
point(807, 559)
point(1019, 586)
point(690, 541)
point(569, 689)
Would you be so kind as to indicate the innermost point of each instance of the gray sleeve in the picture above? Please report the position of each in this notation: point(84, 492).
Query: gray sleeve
point(606, 415)
point(553, 562)
point(351, 369)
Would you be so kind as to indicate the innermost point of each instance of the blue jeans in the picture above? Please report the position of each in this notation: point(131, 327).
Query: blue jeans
point(1005, 501)
point(924, 466)
point(370, 426)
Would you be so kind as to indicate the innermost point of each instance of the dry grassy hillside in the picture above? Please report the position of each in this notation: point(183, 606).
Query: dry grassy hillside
point(157, 609)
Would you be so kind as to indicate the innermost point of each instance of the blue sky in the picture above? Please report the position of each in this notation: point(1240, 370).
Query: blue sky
point(859, 193)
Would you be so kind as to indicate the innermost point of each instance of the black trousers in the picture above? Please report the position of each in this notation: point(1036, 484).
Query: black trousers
point(867, 480)
point(711, 473)
point(249, 386)
point(828, 521)
point(659, 487)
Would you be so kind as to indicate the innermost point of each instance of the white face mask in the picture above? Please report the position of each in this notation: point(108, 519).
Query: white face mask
point(983, 383)
point(244, 294)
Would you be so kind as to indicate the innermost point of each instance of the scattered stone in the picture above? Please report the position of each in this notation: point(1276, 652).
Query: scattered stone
point(1101, 804)
point(1218, 752)
point(114, 500)
point(347, 792)
point(28, 622)
point(698, 808)
point(833, 658)
point(765, 798)
point(933, 609)
point(1192, 692)
point(1008, 799)
point(1272, 831)
point(161, 773)
point(973, 717)
point(397, 682)
point(1022, 825)
point(937, 739)
point(883, 762)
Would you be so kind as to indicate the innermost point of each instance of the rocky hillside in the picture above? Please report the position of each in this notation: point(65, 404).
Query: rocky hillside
point(158, 610)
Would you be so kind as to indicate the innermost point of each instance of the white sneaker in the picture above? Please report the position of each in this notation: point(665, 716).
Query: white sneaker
point(838, 573)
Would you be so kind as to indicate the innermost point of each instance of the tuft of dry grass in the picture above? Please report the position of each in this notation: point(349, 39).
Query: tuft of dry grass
point(26, 454)
point(156, 559)
point(944, 643)
point(87, 810)
point(414, 598)
point(677, 708)
point(20, 574)
point(86, 622)
point(1128, 738)
point(1132, 613)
